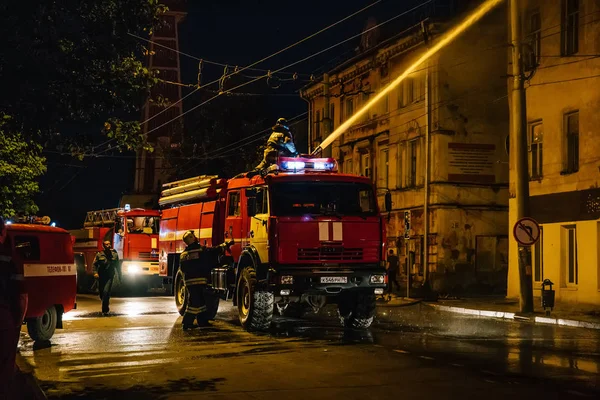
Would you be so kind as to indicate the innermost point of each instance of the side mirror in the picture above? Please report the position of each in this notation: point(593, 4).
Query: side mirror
point(251, 206)
point(388, 202)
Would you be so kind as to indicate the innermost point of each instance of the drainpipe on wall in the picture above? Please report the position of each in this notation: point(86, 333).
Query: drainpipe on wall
point(309, 133)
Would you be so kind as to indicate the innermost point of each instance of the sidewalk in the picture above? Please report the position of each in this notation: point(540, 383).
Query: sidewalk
point(495, 307)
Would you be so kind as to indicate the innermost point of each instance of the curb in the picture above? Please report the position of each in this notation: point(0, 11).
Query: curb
point(397, 304)
point(515, 317)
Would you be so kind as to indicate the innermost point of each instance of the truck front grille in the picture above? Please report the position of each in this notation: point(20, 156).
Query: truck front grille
point(147, 254)
point(330, 254)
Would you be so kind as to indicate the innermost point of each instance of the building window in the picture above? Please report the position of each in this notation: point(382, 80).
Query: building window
point(570, 252)
point(365, 100)
point(409, 89)
point(571, 129)
point(401, 103)
point(570, 27)
point(534, 29)
point(413, 149)
point(317, 125)
point(538, 259)
point(385, 104)
point(536, 150)
point(349, 107)
point(348, 166)
point(383, 172)
point(365, 164)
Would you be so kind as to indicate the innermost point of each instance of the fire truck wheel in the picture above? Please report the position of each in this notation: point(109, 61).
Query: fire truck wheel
point(357, 312)
point(181, 294)
point(42, 328)
point(255, 307)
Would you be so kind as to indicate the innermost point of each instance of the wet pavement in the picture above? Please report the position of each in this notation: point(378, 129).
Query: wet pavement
point(415, 352)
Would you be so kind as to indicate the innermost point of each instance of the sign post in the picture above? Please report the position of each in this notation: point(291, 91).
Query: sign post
point(407, 218)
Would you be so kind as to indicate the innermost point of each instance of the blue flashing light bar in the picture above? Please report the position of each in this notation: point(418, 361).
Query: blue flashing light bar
point(307, 164)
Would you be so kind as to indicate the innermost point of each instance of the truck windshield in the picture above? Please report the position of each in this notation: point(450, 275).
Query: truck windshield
point(147, 225)
point(323, 198)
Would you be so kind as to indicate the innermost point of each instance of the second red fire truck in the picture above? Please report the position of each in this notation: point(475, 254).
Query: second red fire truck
point(305, 236)
point(133, 234)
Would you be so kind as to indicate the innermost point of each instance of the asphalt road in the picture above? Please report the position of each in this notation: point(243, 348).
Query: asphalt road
point(140, 352)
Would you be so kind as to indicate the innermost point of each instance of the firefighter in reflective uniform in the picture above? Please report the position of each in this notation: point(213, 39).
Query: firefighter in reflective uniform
point(197, 261)
point(280, 142)
point(106, 264)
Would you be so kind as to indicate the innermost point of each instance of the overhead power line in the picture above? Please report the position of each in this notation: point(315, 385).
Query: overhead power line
point(256, 63)
point(295, 63)
point(273, 54)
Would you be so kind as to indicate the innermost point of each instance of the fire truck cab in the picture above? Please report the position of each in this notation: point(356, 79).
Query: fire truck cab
point(133, 234)
point(305, 236)
point(43, 258)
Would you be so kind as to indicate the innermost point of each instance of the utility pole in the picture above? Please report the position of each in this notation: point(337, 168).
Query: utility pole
point(326, 114)
point(427, 162)
point(519, 138)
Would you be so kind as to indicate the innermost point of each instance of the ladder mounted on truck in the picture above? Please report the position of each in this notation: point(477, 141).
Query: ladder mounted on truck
point(197, 188)
point(102, 217)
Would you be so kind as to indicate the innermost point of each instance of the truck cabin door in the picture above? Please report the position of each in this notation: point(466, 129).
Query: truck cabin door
point(233, 222)
point(258, 219)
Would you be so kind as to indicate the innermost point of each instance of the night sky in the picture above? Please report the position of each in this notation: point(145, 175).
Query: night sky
point(230, 32)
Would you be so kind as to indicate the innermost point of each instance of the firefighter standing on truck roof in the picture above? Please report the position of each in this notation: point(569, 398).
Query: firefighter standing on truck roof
point(281, 142)
point(197, 261)
point(106, 265)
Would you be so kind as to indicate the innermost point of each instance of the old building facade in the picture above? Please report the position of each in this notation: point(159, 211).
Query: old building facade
point(563, 100)
point(463, 176)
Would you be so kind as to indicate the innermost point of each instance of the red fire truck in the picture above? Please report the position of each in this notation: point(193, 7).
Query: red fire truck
point(133, 234)
point(43, 258)
point(304, 235)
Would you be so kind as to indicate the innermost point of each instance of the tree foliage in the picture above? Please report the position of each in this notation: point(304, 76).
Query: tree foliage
point(70, 65)
point(69, 69)
point(21, 164)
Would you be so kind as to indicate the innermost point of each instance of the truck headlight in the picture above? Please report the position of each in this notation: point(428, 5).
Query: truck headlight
point(287, 280)
point(133, 269)
point(378, 279)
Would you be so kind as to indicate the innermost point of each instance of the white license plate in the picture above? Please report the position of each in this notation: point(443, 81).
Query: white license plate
point(334, 279)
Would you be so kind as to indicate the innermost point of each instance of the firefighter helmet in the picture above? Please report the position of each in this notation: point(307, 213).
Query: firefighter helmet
point(189, 237)
point(282, 122)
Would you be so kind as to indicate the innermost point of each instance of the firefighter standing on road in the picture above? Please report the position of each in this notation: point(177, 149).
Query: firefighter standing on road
point(197, 261)
point(281, 142)
point(106, 265)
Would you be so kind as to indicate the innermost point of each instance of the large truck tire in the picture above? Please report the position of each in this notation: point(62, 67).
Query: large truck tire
point(42, 328)
point(357, 312)
point(255, 307)
point(212, 306)
point(181, 293)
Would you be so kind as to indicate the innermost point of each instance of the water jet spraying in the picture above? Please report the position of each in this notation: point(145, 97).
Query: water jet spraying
point(445, 40)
